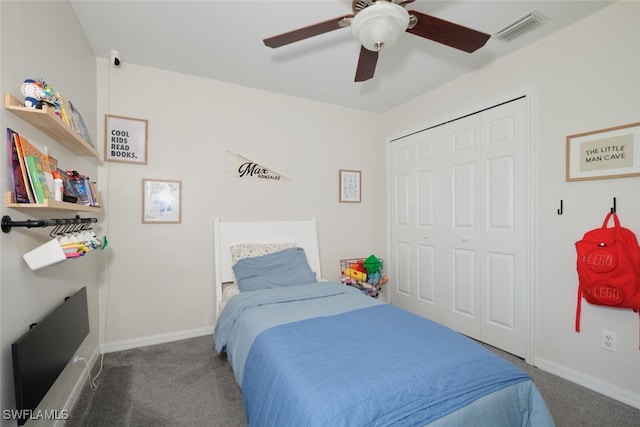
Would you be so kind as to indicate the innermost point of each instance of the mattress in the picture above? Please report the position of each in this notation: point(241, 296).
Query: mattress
point(228, 290)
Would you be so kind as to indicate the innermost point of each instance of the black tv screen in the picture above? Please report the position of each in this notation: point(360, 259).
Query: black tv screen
point(40, 355)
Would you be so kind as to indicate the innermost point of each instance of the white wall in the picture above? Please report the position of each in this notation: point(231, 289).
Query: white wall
point(583, 78)
point(43, 40)
point(160, 279)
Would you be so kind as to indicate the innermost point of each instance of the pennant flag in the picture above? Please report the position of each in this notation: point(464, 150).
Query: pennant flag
point(248, 169)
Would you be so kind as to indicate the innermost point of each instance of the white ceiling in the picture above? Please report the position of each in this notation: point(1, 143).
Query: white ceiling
point(222, 40)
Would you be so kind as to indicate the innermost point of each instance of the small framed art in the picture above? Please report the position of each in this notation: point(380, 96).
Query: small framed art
point(350, 186)
point(605, 153)
point(161, 201)
point(125, 139)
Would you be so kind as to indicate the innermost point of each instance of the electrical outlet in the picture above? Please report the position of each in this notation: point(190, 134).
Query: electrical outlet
point(608, 340)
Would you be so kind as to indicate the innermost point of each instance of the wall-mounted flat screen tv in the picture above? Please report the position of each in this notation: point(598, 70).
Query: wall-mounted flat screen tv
point(40, 355)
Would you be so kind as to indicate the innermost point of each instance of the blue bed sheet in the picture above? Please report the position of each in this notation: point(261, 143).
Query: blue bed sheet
point(326, 355)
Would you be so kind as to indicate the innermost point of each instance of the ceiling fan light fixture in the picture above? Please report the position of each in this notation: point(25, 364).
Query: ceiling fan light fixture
point(379, 26)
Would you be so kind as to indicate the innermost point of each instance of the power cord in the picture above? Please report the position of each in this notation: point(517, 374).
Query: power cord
point(92, 381)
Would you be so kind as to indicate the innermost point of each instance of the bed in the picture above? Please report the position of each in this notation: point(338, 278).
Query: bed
point(311, 352)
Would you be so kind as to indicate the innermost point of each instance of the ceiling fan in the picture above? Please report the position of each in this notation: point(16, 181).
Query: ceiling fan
point(378, 23)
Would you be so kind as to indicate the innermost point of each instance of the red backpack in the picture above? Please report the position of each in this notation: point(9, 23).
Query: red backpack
point(608, 267)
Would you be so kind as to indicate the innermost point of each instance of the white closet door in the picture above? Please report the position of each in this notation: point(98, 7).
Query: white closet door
point(403, 221)
point(416, 188)
point(460, 225)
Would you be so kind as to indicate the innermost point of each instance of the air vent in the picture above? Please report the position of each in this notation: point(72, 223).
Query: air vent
point(520, 26)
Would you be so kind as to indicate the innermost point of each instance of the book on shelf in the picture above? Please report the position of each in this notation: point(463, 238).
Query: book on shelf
point(71, 116)
point(53, 163)
point(19, 180)
point(94, 193)
point(64, 110)
point(79, 124)
point(38, 179)
point(32, 149)
point(23, 165)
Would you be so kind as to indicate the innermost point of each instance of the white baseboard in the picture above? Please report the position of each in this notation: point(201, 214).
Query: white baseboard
point(594, 384)
point(77, 388)
point(156, 339)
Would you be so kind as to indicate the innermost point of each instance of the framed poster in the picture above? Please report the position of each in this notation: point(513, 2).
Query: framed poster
point(350, 186)
point(161, 201)
point(605, 153)
point(125, 139)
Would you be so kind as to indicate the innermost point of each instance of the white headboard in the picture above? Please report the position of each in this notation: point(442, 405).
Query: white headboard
point(226, 234)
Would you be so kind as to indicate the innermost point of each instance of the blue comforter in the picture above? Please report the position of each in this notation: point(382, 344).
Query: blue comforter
point(249, 313)
point(354, 362)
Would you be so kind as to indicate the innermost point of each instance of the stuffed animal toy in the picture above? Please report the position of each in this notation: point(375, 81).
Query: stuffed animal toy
point(33, 92)
point(372, 264)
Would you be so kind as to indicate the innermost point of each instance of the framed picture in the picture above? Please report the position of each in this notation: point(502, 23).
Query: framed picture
point(125, 139)
point(161, 201)
point(350, 186)
point(605, 153)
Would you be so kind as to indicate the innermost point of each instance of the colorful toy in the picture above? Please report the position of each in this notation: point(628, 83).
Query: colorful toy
point(372, 264)
point(51, 97)
point(355, 274)
point(374, 278)
point(358, 266)
point(33, 91)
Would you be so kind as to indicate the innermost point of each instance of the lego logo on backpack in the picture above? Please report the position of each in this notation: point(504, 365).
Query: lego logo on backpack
point(604, 295)
point(601, 261)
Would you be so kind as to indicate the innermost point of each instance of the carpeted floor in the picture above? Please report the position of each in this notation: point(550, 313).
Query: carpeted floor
point(185, 383)
point(572, 405)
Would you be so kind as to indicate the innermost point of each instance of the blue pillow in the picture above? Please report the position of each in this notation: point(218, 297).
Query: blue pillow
point(288, 267)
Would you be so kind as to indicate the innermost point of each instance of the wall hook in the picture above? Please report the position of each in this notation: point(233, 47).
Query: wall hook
point(560, 210)
point(613, 208)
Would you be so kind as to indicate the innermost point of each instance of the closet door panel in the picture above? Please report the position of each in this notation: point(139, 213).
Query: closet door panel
point(464, 179)
point(500, 293)
point(403, 200)
point(428, 302)
point(402, 249)
point(424, 197)
point(402, 287)
point(500, 193)
point(403, 277)
point(428, 230)
point(464, 311)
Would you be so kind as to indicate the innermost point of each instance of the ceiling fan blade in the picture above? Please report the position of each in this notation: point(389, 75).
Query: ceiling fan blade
point(366, 64)
point(448, 33)
point(306, 32)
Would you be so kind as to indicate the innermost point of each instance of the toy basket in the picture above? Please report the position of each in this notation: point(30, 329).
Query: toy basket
point(365, 274)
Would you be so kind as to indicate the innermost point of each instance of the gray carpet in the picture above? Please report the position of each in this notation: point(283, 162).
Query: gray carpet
point(572, 405)
point(185, 383)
